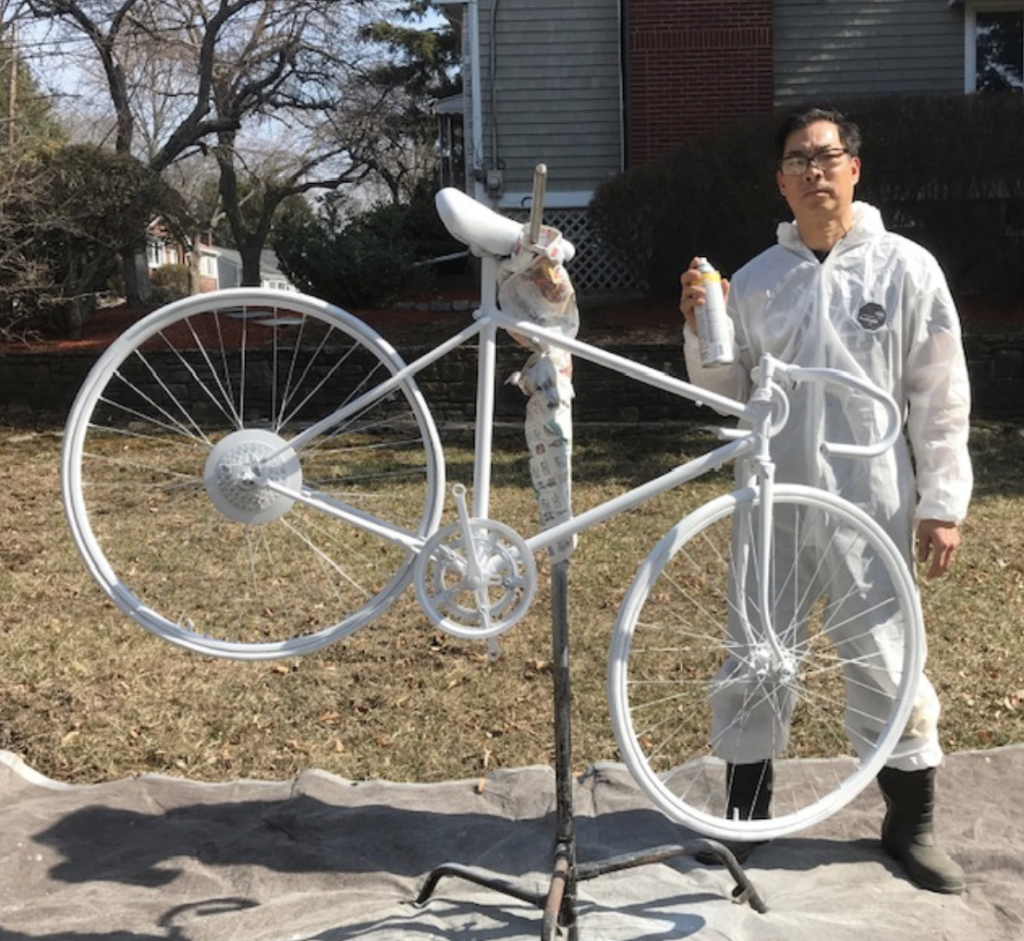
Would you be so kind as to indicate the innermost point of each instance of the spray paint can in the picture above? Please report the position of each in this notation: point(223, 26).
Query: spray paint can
point(712, 320)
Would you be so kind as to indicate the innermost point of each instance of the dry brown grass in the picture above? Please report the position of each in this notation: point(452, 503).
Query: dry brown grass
point(87, 696)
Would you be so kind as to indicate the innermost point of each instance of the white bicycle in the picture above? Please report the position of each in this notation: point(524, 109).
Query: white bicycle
point(254, 474)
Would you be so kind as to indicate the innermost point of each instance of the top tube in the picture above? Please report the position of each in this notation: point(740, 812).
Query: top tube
point(621, 364)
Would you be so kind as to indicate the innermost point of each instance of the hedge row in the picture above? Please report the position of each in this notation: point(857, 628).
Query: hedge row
point(947, 171)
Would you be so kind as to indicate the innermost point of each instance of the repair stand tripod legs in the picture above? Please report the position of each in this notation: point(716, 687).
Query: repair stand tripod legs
point(560, 908)
point(559, 904)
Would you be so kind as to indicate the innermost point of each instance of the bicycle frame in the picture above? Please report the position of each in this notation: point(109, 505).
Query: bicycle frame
point(202, 478)
point(763, 415)
point(488, 320)
point(757, 414)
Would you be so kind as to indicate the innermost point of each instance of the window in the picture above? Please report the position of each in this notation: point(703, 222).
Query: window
point(994, 49)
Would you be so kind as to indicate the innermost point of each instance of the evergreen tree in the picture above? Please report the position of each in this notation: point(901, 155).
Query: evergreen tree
point(419, 66)
point(27, 117)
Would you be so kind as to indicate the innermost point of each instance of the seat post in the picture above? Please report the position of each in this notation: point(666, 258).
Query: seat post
point(484, 417)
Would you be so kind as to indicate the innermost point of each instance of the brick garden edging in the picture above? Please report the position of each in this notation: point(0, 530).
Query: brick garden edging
point(43, 385)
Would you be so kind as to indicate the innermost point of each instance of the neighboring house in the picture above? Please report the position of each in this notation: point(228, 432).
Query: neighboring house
point(162, 248)
point(218, 267)
point(228, 269)
point(591, 87)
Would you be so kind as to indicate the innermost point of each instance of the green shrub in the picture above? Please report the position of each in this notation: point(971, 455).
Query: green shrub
point(947, 171)
point(170, 283)
point(714, 196)
point(367, 261)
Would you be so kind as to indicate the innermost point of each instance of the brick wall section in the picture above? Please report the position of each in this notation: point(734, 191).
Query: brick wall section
point(43, 385)
point(692, 67)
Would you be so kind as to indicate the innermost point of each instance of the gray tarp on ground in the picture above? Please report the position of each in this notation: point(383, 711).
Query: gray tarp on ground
point(324, 858)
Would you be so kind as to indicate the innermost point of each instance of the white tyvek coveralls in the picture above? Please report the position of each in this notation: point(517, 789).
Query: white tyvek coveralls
point(877, 307)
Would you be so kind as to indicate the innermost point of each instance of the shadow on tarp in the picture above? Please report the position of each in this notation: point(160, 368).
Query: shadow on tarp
point(303, 834)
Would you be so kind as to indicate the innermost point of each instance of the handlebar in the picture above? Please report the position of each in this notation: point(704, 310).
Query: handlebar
point(838, 377)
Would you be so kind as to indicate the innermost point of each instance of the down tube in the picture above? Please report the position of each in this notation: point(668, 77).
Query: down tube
point(734, 450)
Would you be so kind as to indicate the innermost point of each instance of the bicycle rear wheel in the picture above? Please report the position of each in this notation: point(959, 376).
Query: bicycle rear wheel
point(695, 683)
point(162, 491)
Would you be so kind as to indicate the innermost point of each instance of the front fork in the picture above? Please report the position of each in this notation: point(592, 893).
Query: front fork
point(761, 530)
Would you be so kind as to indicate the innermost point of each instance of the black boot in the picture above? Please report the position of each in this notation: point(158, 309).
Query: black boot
point(748, 796)
point(908, 833)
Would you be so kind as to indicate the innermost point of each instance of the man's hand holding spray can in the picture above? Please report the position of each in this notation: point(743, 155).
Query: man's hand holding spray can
point(708, 311)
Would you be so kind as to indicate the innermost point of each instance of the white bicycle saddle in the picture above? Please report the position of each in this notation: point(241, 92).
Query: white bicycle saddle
point(482, 229)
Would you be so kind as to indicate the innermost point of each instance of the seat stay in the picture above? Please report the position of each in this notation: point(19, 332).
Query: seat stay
point(377, 392)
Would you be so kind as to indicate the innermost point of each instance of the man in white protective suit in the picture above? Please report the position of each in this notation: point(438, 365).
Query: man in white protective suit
point(838, 290)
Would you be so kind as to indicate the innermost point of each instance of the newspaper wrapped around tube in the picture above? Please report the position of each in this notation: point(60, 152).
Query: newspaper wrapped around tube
point(534, 286)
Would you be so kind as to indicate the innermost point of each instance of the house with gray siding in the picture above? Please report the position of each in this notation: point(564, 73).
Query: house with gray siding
point(591, 87)
point(824, 50)
point(550, 91)
point(556, 81)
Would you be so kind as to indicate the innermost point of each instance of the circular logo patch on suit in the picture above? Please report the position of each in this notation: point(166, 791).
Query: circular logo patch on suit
point(872, 316)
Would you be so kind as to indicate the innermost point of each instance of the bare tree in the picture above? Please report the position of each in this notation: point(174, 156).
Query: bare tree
point(289, 60)
point(65, 216)
point(213, 76)
point(21, 270)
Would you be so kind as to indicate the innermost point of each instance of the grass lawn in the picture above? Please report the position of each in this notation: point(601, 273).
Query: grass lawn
point(86, 696)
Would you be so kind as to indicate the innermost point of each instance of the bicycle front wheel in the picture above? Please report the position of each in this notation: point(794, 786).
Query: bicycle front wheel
point(178, 439)
point(810, 663)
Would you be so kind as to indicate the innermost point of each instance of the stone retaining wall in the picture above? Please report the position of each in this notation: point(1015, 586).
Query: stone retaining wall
point(996, 364)
point(43, 385)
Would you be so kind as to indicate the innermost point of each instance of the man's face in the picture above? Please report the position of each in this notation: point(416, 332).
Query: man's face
point(819, 191)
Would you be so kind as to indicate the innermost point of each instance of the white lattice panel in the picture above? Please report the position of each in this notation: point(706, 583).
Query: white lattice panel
point(594, 269)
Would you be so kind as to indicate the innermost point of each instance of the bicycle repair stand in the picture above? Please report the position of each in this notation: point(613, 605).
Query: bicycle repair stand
point(559, 904)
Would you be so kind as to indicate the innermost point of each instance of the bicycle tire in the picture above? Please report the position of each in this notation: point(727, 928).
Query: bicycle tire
point(155, 485)
point(670, 645)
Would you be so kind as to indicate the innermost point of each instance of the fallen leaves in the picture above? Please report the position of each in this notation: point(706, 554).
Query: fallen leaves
point(534, 668)
point(1015, 699)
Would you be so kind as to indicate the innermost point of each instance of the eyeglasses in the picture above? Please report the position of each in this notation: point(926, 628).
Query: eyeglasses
point(827, 159)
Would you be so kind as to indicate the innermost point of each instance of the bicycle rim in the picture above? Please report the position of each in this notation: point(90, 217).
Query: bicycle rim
point(181, 541)
point(691, 633)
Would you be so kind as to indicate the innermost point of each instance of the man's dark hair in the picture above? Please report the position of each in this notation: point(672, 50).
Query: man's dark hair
point(849, 133)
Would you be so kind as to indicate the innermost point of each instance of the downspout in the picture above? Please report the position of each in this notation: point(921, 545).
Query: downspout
point(479, 192)
point(624, 77)
point(494, 186)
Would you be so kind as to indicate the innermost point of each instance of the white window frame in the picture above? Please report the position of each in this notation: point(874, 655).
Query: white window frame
point(971, 11)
